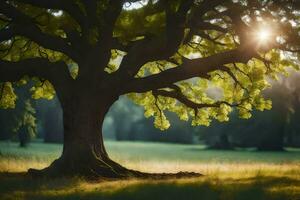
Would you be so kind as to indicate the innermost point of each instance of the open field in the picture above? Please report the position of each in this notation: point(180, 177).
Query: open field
point(228, 174)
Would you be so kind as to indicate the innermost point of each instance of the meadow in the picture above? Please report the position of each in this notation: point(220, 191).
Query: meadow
point(240, 174)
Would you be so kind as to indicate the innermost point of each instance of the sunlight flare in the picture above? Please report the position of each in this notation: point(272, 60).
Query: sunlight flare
point(264, 35)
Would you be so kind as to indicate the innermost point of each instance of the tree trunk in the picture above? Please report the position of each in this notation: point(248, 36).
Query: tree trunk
point(23, 136)
point(84, 153)
point(222, 143)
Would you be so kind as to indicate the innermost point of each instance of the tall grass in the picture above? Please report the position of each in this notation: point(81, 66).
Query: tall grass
point(229, 174)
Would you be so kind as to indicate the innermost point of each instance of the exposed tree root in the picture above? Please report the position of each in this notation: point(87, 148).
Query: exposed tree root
point(99, 169)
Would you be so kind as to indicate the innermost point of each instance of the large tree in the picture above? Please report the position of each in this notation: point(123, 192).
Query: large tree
point(165, 54)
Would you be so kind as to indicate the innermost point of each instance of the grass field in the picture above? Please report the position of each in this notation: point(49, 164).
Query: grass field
point(229, 175)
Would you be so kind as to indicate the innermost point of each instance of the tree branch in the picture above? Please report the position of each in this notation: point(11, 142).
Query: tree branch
point(36, 67)
point(157, 48)
point(190, 68)
point(187, 102)
point(66, 5)
point(22, 25)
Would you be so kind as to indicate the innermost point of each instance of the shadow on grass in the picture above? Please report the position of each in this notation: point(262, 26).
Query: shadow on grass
point(20, 186)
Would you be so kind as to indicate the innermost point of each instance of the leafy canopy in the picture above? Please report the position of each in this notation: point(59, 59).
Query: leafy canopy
point(199, 59)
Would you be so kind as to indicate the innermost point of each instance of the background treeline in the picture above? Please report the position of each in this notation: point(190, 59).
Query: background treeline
point(268, 130)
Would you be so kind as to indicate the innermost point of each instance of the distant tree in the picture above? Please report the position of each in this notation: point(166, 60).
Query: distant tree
point(128, 123)
point(273, 126)
point(219, 136)
point(26, 124)
point(124, 116)
point(93, 51)
point(50, 121)
point(20, 122)
point(293, 126)
point(179, 131)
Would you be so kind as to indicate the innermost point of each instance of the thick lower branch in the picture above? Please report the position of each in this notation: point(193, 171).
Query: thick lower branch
point(190, 68)
point(56, 72)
